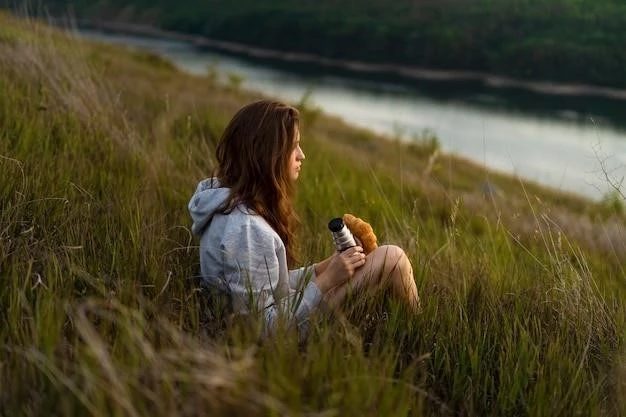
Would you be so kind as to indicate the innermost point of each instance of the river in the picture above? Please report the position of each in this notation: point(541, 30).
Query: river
point(568, 143)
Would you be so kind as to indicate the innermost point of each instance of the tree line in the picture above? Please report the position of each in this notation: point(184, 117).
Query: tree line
point(579, 41)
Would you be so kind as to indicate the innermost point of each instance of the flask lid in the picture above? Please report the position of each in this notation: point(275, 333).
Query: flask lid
point(335, 224)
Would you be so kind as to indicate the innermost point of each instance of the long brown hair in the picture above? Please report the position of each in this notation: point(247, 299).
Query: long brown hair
point(253, 158)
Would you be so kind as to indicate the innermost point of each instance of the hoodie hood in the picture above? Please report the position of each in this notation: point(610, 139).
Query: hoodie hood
point(209, 196)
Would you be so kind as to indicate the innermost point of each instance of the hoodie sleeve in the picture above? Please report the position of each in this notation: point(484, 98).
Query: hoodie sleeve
point(298, 278)
point(255, 262)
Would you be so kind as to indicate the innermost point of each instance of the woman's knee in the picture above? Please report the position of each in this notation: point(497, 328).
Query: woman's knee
point(391, 257)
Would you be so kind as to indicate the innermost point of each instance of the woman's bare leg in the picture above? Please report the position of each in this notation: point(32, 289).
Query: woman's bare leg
point(385, 267)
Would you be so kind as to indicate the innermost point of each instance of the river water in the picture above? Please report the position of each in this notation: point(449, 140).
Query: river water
point(568, 143)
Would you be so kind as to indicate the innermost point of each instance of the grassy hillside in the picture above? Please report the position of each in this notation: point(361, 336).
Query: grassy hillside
point(522, 289)
point(577, 41)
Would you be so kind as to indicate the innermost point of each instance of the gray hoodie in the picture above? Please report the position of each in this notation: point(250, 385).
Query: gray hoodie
point(242, 253)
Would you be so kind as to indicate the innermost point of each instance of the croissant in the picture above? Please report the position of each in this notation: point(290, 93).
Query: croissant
point(362, 231)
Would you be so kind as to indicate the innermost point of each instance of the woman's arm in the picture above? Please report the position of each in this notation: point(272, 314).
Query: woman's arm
point(297, 277)
point(255, 262)
point(320, 267)
point(308, 273)
point(255, 266)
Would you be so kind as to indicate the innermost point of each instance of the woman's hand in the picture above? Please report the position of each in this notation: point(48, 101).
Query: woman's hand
point(340, 268)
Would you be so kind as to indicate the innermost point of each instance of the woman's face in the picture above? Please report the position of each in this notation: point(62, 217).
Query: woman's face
point(296, 158)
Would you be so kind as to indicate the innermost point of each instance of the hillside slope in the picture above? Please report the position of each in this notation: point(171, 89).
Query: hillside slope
point(522, 288)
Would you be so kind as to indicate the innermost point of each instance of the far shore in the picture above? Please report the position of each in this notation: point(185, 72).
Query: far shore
point(490, 80)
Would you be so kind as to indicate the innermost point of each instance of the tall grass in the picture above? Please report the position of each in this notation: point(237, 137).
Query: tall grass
point(100, 149)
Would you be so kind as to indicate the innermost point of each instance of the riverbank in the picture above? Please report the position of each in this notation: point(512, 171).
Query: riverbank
point(402, 72)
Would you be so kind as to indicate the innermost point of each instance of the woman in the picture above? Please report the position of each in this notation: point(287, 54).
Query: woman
point(245, 219)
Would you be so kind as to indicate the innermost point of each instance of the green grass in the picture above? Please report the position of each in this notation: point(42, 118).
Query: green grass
point(522, 294)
